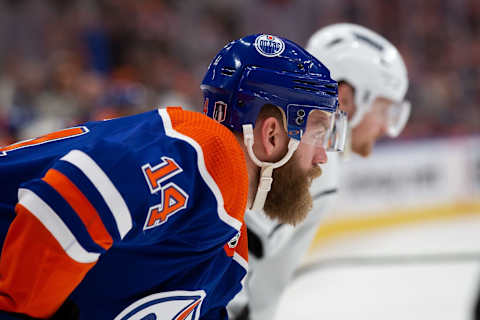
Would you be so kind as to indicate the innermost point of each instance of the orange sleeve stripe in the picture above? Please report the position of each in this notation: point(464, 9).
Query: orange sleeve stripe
point(80, 204)
point(48, 137)
point(36, 273)
point(224, 159)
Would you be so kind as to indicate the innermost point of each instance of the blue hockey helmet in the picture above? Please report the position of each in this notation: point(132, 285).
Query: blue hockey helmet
point(264, 69)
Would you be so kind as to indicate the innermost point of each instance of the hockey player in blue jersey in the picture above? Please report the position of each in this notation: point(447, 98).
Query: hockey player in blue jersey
point(141, 217)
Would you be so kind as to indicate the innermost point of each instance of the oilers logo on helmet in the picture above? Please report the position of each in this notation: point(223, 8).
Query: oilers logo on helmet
point(173, 305)
point(269, 46)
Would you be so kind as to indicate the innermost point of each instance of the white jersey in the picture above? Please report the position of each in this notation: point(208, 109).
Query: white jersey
point(276, 250)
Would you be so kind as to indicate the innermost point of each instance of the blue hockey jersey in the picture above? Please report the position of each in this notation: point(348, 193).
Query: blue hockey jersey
point(138, 217)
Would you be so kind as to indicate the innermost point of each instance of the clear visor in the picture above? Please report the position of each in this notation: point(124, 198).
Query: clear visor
point(325, 129)
point(397, 117)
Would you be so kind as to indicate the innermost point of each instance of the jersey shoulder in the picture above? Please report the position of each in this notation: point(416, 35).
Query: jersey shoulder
point(221, 160)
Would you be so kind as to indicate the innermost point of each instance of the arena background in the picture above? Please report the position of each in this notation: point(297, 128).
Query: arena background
point(403, 241)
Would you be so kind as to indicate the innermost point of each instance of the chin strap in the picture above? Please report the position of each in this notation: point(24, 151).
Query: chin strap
point(266, 170)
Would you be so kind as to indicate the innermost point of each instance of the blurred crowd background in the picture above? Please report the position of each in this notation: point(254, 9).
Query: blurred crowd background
point(65, 62)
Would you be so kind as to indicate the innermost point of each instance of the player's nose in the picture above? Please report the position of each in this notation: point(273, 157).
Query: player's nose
point(320, 156)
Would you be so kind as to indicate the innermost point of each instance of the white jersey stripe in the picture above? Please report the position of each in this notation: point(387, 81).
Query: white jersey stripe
point(240, 260)
point(52, 222)
point(105, 187)
point(222, 213)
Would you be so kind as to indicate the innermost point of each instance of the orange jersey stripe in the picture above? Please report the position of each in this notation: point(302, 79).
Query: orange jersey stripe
point(187, 311)
point(84, 209)
point(224, 159)
point(36, 275)
point(48, 137)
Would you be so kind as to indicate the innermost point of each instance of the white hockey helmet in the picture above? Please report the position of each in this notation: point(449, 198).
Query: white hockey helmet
point(370, 64)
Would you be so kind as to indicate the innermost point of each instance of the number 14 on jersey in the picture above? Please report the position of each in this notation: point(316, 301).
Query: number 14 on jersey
point(173, 197)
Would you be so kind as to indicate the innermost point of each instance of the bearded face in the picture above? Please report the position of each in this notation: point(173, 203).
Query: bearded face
point(289, 199)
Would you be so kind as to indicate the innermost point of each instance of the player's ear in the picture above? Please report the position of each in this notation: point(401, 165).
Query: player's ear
point(273, 139)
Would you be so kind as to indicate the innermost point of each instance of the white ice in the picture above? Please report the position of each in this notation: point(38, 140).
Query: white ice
point(428, 270)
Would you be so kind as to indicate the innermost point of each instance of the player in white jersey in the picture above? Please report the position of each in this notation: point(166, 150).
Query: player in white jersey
point(372, 84)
